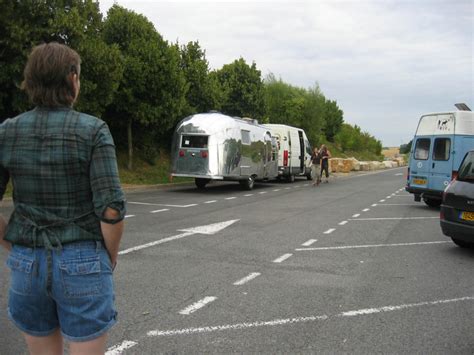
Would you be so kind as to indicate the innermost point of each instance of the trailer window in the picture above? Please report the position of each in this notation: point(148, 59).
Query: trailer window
point(441, 148)
point(422, 148)
point(466, 171)
point(189, 141)
point(245, 137)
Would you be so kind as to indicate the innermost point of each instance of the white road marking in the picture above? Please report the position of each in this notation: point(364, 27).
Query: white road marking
point(373, 205)
point(382, 201)
point(309, 242)
point(231, 198)
point(287, 188)
point(404, 195)
point(276, 190)
point(208, 230)
point(366, 210)
point(398, 174)
point(356, 215)
point(282, 258)
point(197, 305)
point(247, 278)
point(129, 215)
point(162, 210)
point(397, 204)
point(212, 201)
point(371, 246)
point(160, 204)
point(343, 222)
point(388, 218)
point(263, 192)
point(290, 321)
point(247, 195)
point(329, 231)
point(296, 186)
point(306, 185)
point(388, 197)
point(120, 348)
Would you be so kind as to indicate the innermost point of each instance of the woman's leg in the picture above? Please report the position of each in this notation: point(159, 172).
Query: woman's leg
point(48, 345)
point(92, 347)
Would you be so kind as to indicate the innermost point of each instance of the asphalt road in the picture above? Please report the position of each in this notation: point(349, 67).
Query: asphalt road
point(353, 266)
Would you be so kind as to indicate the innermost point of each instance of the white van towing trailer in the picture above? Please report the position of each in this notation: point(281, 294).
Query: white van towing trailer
point(213, 146)
point(294, 152)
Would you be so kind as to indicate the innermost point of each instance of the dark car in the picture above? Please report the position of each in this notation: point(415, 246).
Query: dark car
point(457, 209)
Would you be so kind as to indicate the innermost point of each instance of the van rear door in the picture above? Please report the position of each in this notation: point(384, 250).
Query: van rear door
point(420, 162)
point(441, 162)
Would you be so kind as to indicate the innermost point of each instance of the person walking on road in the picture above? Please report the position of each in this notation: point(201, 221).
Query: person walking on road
point(316, 166)
point(325, 155)
point(65, 230)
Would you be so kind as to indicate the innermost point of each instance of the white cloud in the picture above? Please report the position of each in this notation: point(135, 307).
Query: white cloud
point(385, 62)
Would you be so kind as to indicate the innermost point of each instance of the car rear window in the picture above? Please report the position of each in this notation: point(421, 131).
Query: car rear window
point(466, 171)
point(191, 141)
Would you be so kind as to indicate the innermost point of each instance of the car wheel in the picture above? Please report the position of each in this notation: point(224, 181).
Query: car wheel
point(432, 202)
point(248, 183)
point(462, 243)
point(201, 183)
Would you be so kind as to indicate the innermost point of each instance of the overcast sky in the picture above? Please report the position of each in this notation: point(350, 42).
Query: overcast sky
point(384, 62)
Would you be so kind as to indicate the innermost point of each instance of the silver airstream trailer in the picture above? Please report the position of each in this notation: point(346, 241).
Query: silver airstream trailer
point(213, 146)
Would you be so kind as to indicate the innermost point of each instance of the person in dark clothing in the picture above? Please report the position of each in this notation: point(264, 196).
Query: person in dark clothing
point(325, 155)
point(316, 166)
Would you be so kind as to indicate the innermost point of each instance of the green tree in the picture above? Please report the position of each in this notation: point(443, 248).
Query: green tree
point(243, 90)
point(334, 117)
point(151, 92)
point(202, 90)
point(405, 148)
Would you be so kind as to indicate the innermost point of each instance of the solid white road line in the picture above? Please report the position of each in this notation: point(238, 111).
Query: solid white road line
point(129, 215)
point(282, 258)
point(329, 231)
point(156, 242)
point(247, 278)
point(120, 348)
point(366, 209)
point(356, 215)
point(309, 242)
point(389, 218)
point(231, 198)
point(371, 246)
point(212, 201)
point(290, 321)
point(197, 305)
point(342, 223)
point(162, 210)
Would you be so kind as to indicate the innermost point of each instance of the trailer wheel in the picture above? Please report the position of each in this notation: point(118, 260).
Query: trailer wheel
point(201, 183)
point(248, 183)
point(432, 202)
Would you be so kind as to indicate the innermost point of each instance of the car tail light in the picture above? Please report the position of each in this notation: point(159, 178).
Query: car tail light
point(181, 153)
point(285, 158)
point(203, 154)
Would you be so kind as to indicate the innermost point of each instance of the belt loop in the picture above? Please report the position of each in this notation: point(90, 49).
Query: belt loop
point(98, 246)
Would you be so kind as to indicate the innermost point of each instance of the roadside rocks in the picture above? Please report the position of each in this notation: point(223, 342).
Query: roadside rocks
point(341, 165)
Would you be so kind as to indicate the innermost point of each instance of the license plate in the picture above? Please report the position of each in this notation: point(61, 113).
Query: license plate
point(467, 216)
point(419, 181)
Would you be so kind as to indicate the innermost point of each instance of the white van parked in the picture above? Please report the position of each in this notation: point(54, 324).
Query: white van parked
point(294, 151)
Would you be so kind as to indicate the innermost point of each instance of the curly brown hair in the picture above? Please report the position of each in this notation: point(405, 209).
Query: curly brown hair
point(47, 75)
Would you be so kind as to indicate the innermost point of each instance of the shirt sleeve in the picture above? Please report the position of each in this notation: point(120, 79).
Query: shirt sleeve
point(104, 177)
point(4, 177)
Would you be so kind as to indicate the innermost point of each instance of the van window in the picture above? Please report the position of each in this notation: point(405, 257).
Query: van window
point(466, 171)
point(422, 148)
point(190, 141)
point(441, 149)
point(245, 137)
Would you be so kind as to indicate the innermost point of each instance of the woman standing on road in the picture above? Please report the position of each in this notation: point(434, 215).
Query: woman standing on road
point(68, 213)
point(316, 166)
point(325, 155)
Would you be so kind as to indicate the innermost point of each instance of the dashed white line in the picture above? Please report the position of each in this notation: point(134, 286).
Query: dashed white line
point(356, 215)
point(276, 190)
point(158, 211)
point(370, 246)
point(388, 197)
point(309, 242)
point(247, 278)
point(197, 305)
point(247, 195)
point(382, 201)
point(262, 192)
point(120, 348)
point(282, 258)
point(212, 201)
point(329, 231)
point(373, 205)
point(129, 215)
point(231, 198)
point(342, 223)
point(287, 188)
point(366, 210)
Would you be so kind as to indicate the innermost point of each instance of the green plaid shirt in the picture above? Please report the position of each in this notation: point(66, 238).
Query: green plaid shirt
point(64, 173)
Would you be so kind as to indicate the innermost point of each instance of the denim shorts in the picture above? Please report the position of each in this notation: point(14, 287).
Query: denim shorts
point(70, 288)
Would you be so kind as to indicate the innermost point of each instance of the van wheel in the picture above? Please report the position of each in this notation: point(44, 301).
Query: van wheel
point(201, 183)
point(290, 178)
point(432, 202)
point(248, 183)
point(462, 243)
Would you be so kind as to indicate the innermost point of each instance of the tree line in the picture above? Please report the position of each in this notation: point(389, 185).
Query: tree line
point(142, 85)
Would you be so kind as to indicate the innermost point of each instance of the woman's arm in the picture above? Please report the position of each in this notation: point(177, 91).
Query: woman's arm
point(3, 227)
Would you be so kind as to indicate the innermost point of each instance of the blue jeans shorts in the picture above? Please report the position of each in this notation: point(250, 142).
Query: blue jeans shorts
point(70, 288)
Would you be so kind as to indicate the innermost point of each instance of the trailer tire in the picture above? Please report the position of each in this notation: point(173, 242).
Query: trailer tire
point(201, 183)
point(248, 183)
point(432, 202)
